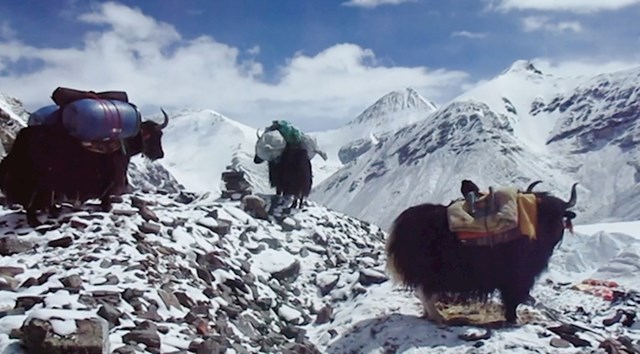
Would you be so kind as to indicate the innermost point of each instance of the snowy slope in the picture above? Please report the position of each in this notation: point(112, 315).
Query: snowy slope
point(520, 126)
point(600, 136)
point(200, 144)
point(13, 117)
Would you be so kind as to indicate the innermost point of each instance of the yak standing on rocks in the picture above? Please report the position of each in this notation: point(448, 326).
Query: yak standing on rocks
point(47, 165)
point(425, 255)
point(288, 153)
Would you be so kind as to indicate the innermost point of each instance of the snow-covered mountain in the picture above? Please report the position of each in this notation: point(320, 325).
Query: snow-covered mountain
point(201, 144)
point(391, 112)
point(522, 125)
point(13, 117)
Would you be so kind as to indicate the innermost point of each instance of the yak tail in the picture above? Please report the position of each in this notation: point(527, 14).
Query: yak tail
point(412, 242)
point(392, 266)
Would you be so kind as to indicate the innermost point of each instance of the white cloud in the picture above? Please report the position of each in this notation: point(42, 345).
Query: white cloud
point(562, 5)
point(468, 34)
point(6, 32)
point(370, 4)
point(255, 50)
point(540, 23)
point(157, 67)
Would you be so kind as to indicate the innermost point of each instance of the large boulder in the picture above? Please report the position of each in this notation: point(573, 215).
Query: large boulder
point(64, 332)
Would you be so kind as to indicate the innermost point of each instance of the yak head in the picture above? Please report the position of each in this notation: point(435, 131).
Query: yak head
point(269, 146)
point(554, 217)
point(152, 137)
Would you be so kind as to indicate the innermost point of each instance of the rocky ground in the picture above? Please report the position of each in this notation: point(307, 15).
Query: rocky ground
point(176, 273)
point(181, 272)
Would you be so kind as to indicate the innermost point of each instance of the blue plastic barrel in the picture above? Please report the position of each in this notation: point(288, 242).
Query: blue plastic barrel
point(46, 115)
point(95, 119)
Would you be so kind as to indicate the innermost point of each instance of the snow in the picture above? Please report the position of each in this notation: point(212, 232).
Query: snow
point(199, 145)
point(289, 314)
point(272, 261)
point(630, 228)
point(62, 321)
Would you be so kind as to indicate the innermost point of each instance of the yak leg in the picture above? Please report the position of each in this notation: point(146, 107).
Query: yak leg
point(273, 203)
point(429, 303)
point(105, 204)
point(54, 209)
point(32, 211)
point(512, 296)
point(32, 218)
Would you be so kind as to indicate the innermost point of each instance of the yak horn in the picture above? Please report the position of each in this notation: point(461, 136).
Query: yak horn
point(166, 120)
point(532, 185)
point(574, 197)
point(258, 134)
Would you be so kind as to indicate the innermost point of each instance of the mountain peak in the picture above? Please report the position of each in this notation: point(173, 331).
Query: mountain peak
point(523, 66)
point(405, 100)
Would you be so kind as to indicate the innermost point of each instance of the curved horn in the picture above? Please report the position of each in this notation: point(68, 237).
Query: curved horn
point(574, 197)
point(166, 120)
point(258, 134)
point(532, 185)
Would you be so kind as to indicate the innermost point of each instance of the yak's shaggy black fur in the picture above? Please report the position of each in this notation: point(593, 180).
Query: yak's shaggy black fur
point(423, 254)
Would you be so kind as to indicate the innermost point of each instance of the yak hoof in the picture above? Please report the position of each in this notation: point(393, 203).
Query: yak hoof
point(32, 219)
point(55, 211)
point(105, 205)
point(431, 312)
point(511, 320)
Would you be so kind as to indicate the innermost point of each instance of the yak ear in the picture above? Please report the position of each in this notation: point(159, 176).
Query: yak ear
point(569, 214)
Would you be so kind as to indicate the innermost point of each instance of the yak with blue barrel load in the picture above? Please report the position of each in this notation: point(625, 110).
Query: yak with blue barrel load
point(288, 153)
point(424, 254)
point(49, 163)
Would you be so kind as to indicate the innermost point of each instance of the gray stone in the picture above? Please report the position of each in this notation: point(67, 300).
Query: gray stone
point(150, 228)
point(146, 333)
point(63, 242)
point(148, 214)
point(91, 337)
point(324, 315)
point(73, 281)
point(11, 245)
point(255, 206)
point(289, 273)
point(184, 299)
point(370, 277)
point(111, 314)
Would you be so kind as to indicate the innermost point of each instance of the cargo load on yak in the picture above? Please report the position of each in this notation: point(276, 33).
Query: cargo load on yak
point(91, 116)
point(276, 137)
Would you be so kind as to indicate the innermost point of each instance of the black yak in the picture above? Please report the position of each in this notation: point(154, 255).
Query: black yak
point(46, 165)
point(291, 173)
point(424, 255)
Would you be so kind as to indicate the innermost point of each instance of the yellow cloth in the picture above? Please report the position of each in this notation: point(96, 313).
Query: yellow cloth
point(528, 214)
point(513, 209)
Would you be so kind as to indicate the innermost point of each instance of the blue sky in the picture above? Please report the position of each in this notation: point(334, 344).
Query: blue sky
point(317, 63)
